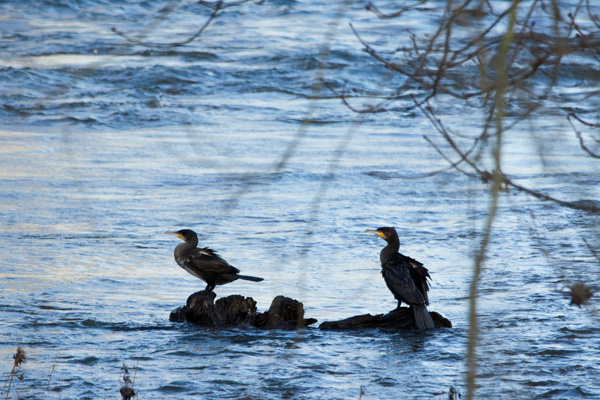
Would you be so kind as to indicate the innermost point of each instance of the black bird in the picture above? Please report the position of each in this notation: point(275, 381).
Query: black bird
point(205, 263)
point(405, 277)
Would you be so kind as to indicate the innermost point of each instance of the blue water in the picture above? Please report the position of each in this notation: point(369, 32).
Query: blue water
point(105, 145)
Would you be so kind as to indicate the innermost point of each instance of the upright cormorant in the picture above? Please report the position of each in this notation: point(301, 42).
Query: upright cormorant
point(205, 263)
point(405, 277)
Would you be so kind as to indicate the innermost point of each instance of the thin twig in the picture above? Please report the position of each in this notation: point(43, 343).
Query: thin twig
point(578, 133)
point(217, 8)
point(52, 371)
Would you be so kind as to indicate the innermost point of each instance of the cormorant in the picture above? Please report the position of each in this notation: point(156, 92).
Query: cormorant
point(405, 277)
point(205, 263)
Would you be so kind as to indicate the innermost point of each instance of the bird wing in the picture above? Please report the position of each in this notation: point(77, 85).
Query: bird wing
point(399, 280)
point(208, 260)
point(420, 276)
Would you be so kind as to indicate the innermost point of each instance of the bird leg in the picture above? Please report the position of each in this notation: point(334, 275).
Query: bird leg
point(209, 288)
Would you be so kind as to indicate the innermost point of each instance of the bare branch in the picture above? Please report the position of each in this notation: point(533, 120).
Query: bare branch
point(219, 4)
point(579, 136)
point(217, 7)
point(577, 205)
point(591, 249)
point(372, 7)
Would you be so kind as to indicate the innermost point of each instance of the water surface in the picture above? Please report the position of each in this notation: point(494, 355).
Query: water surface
point(105, 145)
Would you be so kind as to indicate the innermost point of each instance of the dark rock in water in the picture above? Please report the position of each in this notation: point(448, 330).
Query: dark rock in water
point(236, 310)
point(178, 314)
point(200, 308)
point(401, 318)
point(284, 313)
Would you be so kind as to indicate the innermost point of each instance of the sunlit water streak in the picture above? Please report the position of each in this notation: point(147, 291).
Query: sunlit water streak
point(105, 146)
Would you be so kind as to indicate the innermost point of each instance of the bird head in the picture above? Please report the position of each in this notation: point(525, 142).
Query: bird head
point(187, 235)
point(386, 233)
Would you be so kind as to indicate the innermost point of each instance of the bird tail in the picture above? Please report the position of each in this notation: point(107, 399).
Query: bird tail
point(422, 317)
point(250, 278)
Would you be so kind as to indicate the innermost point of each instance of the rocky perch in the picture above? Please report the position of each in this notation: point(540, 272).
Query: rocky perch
point(401, 318)
point(284, 313)
point(234, 310)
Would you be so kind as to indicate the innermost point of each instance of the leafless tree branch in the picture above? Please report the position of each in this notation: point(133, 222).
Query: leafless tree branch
point(579, 135)
point(217, 7)
point(431, 68)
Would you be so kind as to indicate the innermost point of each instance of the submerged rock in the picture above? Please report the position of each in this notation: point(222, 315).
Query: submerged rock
point(401, 318)
point(236, 310)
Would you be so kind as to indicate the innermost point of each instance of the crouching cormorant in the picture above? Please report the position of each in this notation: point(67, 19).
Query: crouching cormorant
point(406, 278)
point(205, 263)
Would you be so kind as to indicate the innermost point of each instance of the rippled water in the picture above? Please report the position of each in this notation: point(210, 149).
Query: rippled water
point(105, 145)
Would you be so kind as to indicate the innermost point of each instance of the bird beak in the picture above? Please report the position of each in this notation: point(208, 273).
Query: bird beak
point(380, 234)
point(173, 233)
